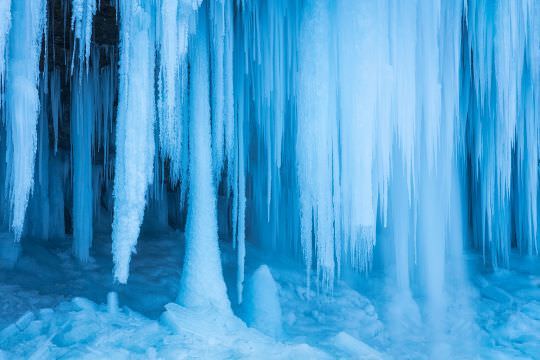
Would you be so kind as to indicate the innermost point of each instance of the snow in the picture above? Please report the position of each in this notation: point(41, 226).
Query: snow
point(54, 320)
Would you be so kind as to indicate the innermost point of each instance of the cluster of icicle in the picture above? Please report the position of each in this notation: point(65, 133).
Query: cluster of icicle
point(330, 124)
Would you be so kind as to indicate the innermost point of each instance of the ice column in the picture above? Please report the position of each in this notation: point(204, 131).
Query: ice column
point(201, 284)
point(317, 134)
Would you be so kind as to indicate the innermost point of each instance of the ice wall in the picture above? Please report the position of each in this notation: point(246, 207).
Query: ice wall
point(345, 133)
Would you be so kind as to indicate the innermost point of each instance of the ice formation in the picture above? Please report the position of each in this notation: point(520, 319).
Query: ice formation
point(134, 130)
point(22, 103)
point(261, 307)
point(355, 137)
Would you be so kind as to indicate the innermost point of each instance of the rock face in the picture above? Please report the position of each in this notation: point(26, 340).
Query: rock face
point(262, 309)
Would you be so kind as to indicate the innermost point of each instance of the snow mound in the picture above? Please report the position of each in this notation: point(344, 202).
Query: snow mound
point(217, 336)
point(262, 309)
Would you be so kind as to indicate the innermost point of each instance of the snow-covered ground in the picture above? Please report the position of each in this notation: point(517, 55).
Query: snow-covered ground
point(52, 307)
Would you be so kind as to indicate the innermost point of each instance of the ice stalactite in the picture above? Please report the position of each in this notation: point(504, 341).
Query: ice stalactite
point(502, 65)
point(201, 283)
point(134, 131)
point(56, 104)
point(22, 104)
point(82, 16)
point(217, 50)
point(5, 24)
point(83, 116)
point(39, 210)
point(173, 28)
point(57, 175)
point(228, 74)
point(239, 210)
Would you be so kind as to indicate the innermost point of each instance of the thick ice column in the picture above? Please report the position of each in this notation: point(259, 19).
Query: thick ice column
point(82, 15)
point(358, 90)
point(134, 130)
point(201, 284)
point(22, 103)
point(316, 134)
point(83, 110)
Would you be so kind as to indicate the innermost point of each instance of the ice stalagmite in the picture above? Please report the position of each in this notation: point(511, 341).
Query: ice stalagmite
point(82, 122)
point(22, 103)
point(201, 284)
point(83, 12)
point(134, 130)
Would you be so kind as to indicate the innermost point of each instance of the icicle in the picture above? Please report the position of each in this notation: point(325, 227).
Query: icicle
point(83, 116)
point(82, 15)
point(240, 201)
point(201, 284)
point(498, 38)
point(174, 24)
point(42, 170)
point(5, 24)
point(228, 74)
point(134, 131)
point(22, 103)
point(217, 45)
point(56, 105)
